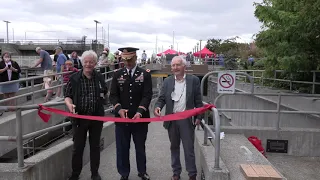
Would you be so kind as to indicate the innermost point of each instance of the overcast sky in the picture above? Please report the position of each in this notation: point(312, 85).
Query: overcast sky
point(131, 22)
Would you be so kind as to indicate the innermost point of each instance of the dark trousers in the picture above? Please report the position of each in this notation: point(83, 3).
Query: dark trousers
point(178, 131)
point(139, 132)
point(80, 129)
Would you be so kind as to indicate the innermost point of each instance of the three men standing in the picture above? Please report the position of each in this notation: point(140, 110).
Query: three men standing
point(130, 94)
point(180, 92)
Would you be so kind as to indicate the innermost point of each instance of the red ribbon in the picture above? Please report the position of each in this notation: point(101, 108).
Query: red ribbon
point(170, 117)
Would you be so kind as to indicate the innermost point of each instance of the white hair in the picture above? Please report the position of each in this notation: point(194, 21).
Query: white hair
point(91, 54)
point(183, 59)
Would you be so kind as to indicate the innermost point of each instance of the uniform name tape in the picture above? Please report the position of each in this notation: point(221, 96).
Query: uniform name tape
point(171, 117)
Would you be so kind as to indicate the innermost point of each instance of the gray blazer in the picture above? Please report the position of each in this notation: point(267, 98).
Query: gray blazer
point(194, 99)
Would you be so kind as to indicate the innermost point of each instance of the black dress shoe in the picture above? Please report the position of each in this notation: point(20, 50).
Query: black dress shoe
point(96, 177)
point(124, 178)
point(144, 176)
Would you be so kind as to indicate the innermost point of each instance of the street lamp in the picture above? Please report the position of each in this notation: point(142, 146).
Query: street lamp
point(200, 48)
point(7, 22)
point(97, 22)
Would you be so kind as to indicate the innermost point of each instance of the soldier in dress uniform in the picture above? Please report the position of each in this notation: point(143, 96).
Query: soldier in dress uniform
point(130, 94)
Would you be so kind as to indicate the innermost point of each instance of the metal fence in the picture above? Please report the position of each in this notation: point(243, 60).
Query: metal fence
point(32, 80)
point(216, 133)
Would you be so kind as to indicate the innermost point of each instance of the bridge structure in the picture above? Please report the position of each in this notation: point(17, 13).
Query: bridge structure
point(286, 122)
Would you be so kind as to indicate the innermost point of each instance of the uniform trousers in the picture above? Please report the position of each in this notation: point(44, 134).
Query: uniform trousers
point(182, 130)
point(139, 132)
point(80, 129)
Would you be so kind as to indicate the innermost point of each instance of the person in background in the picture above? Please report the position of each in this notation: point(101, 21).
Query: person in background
point(46, 65)
point(144, 57)
point(180, 92)
point(9, 71)
point(60, 66)
point(130, 94)
point(76, 61)
point(251, 60)
point(69, 67)
point(85, 94)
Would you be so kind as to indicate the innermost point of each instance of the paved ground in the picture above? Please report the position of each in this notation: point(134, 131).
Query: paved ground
point(158, 158)
point(296, 168)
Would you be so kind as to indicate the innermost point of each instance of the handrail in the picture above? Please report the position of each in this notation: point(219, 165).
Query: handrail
point(43, 90)
point(42, 76)
point(215, 135)
point(216, 117)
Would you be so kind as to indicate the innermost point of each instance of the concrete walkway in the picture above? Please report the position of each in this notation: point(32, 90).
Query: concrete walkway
point(158, 158)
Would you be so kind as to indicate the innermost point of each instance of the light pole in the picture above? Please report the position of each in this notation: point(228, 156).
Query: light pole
point(7, 22)
point(200, 49)
point(97, 22)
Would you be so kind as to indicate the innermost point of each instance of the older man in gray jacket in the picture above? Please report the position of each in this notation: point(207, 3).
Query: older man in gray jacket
point(180, 92)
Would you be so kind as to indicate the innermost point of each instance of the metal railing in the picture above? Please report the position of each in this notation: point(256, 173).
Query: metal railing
point(32, 79)
point(19, 138)
point(216, 116)
point(262, 78)
point(19, 124)
point(56, 41)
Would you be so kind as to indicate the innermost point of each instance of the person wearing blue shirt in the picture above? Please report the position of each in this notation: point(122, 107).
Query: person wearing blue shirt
point(60, 66)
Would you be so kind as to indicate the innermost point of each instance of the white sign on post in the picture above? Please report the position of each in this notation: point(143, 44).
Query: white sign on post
point(226, 82)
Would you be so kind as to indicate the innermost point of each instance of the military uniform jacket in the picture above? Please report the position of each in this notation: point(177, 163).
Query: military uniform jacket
point(133, 94)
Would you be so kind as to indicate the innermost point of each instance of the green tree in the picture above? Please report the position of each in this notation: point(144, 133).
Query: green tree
point(290, 34)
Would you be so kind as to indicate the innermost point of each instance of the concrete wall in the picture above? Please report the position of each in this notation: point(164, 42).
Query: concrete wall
point(11, 48)
point(53, 163)
point(31, 122)
point(231, 156)
point(301, 142)
point(205, 160)
point(259, 119)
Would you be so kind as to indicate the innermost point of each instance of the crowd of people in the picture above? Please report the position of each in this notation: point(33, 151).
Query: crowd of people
point(131, 92)
point(130, 95)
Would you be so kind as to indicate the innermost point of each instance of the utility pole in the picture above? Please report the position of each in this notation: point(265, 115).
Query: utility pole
point(156, 44)
point(7, 22)
point(200, 48)
point(108, 38)
point(97, 22)
point(12, 34)
point(173, 40)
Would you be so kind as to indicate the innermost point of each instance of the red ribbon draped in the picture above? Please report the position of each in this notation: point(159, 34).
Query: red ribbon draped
point(171, 117)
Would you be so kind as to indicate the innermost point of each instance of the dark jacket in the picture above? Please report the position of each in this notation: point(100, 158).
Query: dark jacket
point(75, 83)
point(4, 75)
point(193, 93)
point(131, 93)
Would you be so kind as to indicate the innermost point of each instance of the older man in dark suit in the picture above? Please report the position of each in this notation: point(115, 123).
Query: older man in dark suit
point(180, 92)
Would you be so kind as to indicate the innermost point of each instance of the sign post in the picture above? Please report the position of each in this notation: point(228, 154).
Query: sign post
point(226, 82)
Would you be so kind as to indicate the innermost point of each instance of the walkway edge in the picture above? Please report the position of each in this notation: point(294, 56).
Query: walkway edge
point(55, 162)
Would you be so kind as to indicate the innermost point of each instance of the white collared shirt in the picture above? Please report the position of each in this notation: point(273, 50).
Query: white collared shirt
point(132, 70)
point(179, 95)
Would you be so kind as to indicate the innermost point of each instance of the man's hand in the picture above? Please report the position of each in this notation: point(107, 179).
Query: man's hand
point(137, 116)
point(157, 112)
point(13, 69)
point(123, 113)
point(197, 122)
point(71, 107)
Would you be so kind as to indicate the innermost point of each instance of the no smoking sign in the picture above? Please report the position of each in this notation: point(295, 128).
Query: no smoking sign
point(226, 82)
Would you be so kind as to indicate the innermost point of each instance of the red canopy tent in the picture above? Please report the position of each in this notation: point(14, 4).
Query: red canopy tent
point(205, 51)
point(168, 51)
